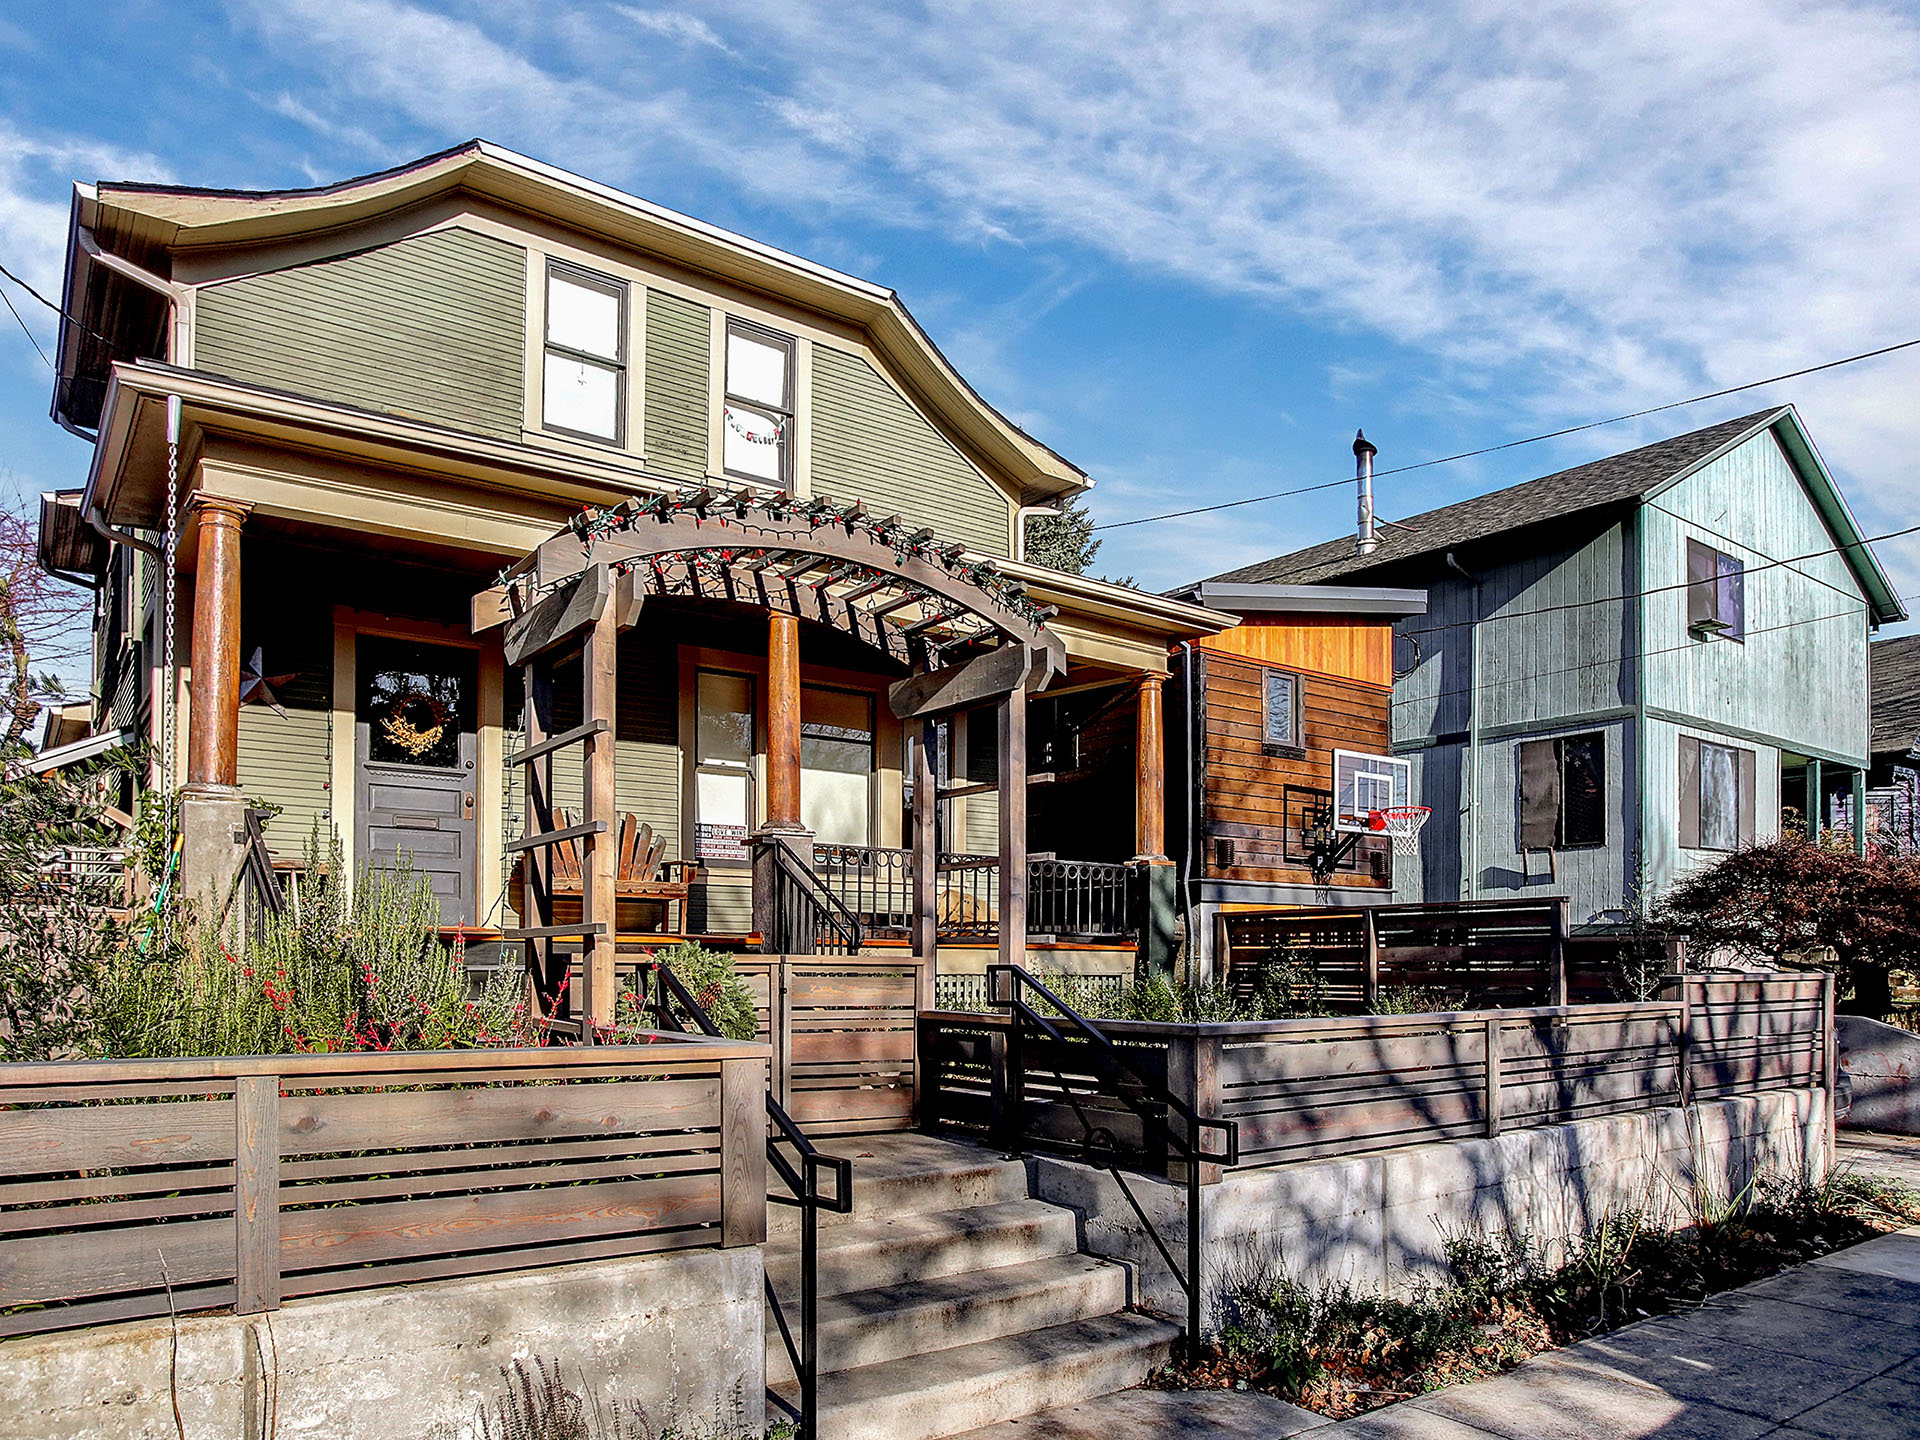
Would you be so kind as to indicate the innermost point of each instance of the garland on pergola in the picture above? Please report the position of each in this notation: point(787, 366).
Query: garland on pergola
point(880, 579)
point(707, 504)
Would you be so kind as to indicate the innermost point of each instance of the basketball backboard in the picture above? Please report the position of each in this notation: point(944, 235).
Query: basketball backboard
point(1364, 784)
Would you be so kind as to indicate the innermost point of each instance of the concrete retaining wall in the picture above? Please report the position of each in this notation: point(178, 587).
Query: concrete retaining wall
point(1380, 1221)
point(1883, 1063)
point(679, 1333)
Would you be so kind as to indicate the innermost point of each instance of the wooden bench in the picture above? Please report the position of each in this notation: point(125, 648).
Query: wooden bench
point(644, 885)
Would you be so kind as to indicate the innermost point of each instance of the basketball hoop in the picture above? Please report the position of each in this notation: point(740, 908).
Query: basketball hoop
point(1402, 823)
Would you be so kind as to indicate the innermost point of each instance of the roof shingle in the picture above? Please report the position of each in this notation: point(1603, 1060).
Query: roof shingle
point(1599, 483)
point(1893, 688)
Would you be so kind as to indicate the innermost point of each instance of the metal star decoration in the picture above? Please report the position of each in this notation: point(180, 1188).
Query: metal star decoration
point(257, 687)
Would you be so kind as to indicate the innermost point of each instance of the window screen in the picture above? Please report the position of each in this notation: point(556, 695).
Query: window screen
point(1716, 593)
point(583, 378)
point(1281, 702)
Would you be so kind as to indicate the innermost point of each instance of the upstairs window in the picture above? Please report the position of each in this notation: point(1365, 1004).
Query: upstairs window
point(1563, 792)
point(1716, 795)
point(1280, 727)
point(584, 376)
point(1716, 593)
point(757, 416)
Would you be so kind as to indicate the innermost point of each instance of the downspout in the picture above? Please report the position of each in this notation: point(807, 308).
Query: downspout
point(1193, 817)
point(1642, 774)
point(1470, 790)
point(1021, 515)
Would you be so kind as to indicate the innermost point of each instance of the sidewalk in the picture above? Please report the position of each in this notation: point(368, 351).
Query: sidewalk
point(1828, 1349)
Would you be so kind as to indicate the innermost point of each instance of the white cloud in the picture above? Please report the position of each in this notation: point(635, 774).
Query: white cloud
point(1570, 208)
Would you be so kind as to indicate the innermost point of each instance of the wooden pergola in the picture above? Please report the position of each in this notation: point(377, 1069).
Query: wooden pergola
point(969, 635)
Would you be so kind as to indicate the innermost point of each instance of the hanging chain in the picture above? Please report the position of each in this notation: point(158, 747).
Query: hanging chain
point(169, 696)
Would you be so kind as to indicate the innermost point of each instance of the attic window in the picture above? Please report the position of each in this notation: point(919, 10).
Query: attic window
point(757, 415)
point(1716, 594)
point(584, 377)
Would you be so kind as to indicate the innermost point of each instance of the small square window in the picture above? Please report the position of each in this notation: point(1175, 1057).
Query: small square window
point(584, 371)
point(1716, 593)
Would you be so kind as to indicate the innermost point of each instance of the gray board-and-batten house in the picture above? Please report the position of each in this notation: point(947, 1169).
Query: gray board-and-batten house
point(1626, 669)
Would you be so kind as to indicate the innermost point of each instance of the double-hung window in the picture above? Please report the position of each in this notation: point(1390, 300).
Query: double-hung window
point(1717, 785)
point(1280, 728)
point(756, 440)
point(1716, 593)
point(723, 765)
point(836, 765)
point(584, 369)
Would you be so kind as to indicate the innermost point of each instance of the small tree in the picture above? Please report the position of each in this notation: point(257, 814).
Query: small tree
point(1064, 541)
point(42, 623)
point(1785, 898)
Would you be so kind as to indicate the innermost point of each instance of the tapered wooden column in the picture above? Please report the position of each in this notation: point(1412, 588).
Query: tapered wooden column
point(213, 733)
point(600, 872)
point(783, 722)
point(1013, 827)
point(1150, 772)
point(926, 841)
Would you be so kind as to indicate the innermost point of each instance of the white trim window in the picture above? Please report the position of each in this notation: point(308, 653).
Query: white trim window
point(583, 379)
point(756, 417)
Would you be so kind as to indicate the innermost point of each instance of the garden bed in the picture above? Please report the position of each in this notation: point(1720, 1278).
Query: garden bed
point(1341, 1352)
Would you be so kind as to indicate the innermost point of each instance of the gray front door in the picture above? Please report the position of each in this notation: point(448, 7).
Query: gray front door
point(415, 745)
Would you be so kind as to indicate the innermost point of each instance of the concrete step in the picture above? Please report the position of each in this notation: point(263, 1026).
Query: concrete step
point(923, 1246)
point(910, 1174)
point(868, 1327)
point(928, 1397)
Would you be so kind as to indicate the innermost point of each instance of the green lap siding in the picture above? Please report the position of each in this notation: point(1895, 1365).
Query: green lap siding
point(432, 328)
point(676, 389)
point(870, 444)
point(287, 760)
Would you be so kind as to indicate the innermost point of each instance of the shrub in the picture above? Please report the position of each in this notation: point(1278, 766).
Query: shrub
point(709, 977)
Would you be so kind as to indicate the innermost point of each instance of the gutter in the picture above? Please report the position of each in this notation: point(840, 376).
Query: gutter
point(1470, 791)
point(1195, 813)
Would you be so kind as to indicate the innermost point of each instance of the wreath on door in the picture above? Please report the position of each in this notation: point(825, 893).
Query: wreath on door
point(416, 722)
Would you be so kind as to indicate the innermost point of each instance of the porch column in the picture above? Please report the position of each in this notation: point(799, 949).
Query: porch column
point(1860, 812)
point(926, 854)
point(212, 810)
point(783, 722)
point(1816, 814)
point(1150, 773)
point(213, 736)
point(1158, 894)
point(1013, 827)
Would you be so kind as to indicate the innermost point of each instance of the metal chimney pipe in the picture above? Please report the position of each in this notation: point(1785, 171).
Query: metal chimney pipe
point(1363, 452)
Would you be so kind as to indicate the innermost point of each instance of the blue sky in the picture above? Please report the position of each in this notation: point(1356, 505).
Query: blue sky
point(1191, 246)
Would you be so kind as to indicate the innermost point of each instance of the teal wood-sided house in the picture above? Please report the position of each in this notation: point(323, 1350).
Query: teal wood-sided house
point(1626, 669)
point(390, 389)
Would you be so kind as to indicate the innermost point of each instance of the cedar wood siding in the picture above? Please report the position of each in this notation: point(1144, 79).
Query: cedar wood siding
point(432, 328)
point(870, 444)
point(676, 390)
point(1243, 792)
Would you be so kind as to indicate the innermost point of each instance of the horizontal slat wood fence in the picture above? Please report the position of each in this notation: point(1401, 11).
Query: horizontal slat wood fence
point(1481, 952)
point(245, 1181)
point(1306, 1089)
point(844, 1037)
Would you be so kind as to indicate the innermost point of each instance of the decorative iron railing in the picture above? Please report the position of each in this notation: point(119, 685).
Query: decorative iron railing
point(1080, 899)
point(808, 918)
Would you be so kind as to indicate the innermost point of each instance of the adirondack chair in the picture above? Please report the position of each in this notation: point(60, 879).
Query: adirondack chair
point(645, 884)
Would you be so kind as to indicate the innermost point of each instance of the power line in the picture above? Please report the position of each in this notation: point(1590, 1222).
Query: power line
point(1662, 589)
point(24, 331)
point(1529, 440)
point(64, 315)
point(1531, 676)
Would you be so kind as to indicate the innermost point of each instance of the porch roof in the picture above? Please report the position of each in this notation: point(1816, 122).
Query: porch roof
point(415, 482)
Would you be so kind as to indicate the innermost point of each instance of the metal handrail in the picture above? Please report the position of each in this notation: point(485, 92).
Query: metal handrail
point(805, 1195)
point(1185, 1141)
point(825, 910)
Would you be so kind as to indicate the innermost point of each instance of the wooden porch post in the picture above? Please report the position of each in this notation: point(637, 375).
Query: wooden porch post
point(926, 844)
point(213, 734)
point(1013, 827)
point(600, 872)
point(783, 722)
point(1150, 773)
point(1816, 812)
